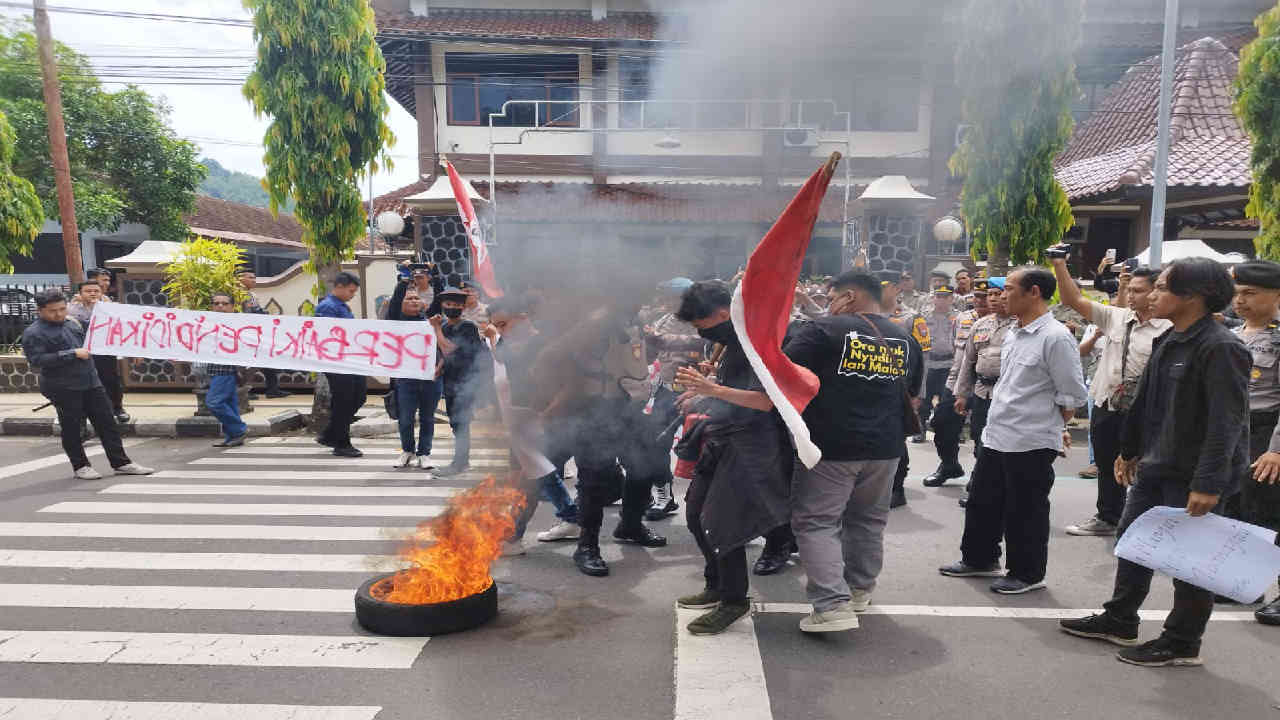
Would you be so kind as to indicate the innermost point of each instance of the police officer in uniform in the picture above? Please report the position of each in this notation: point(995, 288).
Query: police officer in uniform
point(1257, 301)
point(914, 323)
point(941, 320)
point(910, 297)
point(980, 368)
point(947, 423)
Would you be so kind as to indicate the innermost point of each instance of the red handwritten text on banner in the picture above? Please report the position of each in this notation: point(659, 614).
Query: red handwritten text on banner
point(353, 347)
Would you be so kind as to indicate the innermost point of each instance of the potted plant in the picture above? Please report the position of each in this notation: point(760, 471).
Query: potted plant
point(204, 266)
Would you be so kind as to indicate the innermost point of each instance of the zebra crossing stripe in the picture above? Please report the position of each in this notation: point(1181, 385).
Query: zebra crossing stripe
point(178, 597)
point(437, 453)
point(51, 709)
point(289, 490)
point(202, 532)
point(60, 459)
point(273, 509)
point(312, 475)
point(249, 562)
point(225, 459)
point(318, 651)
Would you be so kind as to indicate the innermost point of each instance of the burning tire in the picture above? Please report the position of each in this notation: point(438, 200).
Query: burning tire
point(418, 620)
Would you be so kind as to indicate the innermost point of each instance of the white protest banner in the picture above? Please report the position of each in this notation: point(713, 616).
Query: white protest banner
point(1229, 557)
point(287, 342)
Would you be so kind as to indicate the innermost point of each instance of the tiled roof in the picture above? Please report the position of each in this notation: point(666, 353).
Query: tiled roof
point(1116, 145)
point(521, 24)
point(236, 221)
point(634, 203)
point(1149, 36)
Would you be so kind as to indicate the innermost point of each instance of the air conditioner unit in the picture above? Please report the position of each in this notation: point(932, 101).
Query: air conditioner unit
point(799, 138)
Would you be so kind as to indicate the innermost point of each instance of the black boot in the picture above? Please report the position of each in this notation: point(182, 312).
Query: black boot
point(1269, 614)
point(589, 562)
point(639, 534)
point(945, 472)
point(771, 563)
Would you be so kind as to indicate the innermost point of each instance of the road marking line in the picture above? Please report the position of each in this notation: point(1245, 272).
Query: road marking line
point(177, 597)
point(313, 461)
point(437, 453)
point(53, 709)
point(719, 676)
point(289, 490)
point(970, 611)
point(313, 475)
point(249, 562)
point(325, 651)
point(441, 439)
point(52, 460)
point(275, 509)
point(202, 532)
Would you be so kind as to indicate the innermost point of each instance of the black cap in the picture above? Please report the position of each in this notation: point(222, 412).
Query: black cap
point(980, 286)
point(943, 290)
point(1258, 273)
point(887, 278)
point(452, 293)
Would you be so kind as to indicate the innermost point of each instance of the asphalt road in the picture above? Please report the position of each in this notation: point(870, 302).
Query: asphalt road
point(222, 590)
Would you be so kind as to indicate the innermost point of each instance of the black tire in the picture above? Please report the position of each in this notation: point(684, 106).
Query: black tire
point(403, 620)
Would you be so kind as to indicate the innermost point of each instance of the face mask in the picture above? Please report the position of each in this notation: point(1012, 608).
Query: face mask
point(452, 312)
point(722, 333)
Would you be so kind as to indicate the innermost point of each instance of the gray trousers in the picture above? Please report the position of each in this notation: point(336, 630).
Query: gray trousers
point(838, 513)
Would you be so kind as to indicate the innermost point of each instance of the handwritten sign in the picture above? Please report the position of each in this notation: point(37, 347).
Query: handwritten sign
point(320, 344)
point(1229, 557)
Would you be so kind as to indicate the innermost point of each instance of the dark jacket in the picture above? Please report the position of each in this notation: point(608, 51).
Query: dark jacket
point(746, 460)
point(397, 298)
point(468, 372)
point(1190, 419)
point(52, 349)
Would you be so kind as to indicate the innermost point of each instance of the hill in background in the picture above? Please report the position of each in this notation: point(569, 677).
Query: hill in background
point(235, 186)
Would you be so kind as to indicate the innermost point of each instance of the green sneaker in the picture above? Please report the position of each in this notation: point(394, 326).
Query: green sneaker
point(704, 600)
point(719, 620)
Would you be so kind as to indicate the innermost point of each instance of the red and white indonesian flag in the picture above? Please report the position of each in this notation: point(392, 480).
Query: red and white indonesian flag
point(481, 264)
point(762, 306)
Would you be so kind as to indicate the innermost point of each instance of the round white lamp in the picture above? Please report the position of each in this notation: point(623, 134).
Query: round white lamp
point(390, 224)
point(948, 230)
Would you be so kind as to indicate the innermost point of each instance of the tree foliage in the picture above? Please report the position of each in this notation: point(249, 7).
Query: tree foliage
point(319, 77)
point(203, 266)
point(20, 213)
point(1257, 104)
point(234, 186)
point(1016, 73)
point(127, 165)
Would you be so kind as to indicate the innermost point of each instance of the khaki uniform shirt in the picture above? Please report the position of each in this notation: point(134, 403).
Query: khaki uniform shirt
point(963, 329)
point(1264, 376)
point(981, 365)
point(941, 326)
point(1114, 322)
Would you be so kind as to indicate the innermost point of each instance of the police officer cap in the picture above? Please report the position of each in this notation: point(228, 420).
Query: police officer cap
point(943, 290)
point(939, 274)
point(1258, 273)
point(980, 287)
point(887, 278)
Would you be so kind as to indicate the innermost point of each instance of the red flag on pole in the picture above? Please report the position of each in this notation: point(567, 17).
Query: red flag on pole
point(481, 264)
point(762, 306)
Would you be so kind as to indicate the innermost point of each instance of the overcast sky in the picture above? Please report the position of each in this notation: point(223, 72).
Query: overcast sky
point(216, 117)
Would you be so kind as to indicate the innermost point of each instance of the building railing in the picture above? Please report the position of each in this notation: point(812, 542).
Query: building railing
point(17, 311)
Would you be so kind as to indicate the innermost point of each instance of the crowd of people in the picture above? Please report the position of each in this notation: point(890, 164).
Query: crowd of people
point(1177, 370)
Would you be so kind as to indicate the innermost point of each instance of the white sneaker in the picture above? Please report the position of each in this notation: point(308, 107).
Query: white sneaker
point(88, 473)
point(560, 531)
point(839, 618)
point(424, 463)
point(134, 469)
point(511, 548)
point(859, 600)
point(404, 460)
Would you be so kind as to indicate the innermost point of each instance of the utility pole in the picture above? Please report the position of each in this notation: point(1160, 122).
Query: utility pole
point(58, 145)
point(1160, 181)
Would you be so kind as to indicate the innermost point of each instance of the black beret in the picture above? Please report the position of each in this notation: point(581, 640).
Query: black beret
point(1258, 273)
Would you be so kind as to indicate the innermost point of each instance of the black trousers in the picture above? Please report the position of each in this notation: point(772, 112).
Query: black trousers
point(904, 465)
point(727, 571)
point(935, 385)
point(347, 394)
point(978, 409)
point(658, 448)
point(271, 377)
point(1009, 499)
point(947, 425)
point(604, 434)
point(1260, 502)
point(73, 407)
point(108, 367)
point(1192, 605)
point(1104, 433)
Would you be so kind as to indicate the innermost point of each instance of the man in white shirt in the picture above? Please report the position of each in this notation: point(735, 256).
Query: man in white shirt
point(1040, 387)
point(1129, 333)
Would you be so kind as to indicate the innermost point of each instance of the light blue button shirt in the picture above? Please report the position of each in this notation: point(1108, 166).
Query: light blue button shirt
point(1039, 374)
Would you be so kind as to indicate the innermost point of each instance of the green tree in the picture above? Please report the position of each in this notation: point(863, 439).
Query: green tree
point(319, 77)
point(20, 213)
point(127, 165)
point(1016, 74)
point(203, 266)
point(1257, 105)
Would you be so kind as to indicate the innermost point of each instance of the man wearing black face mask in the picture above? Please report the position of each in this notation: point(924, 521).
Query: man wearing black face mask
point(740, 485)
point(466, 372)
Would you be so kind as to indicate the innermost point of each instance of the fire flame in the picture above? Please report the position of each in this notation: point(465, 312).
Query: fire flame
point(451, 554)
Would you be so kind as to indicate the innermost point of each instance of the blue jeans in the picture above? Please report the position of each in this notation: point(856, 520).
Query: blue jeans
point(554, 492)
point(417, 399)
point(222, 402)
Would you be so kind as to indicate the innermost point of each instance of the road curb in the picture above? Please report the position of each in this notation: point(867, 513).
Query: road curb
point(192, 426)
